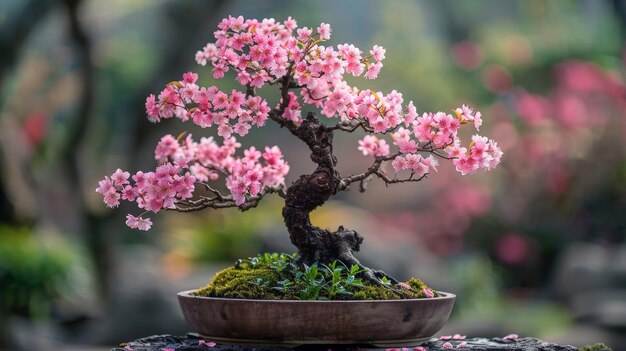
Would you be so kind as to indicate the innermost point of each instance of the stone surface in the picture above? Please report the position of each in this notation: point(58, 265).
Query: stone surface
point(193, 342)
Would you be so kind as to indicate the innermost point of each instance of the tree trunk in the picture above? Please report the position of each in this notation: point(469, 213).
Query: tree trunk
point(310, 191)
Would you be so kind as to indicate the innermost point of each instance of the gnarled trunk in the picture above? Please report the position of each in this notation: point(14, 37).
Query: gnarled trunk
point(310, 191)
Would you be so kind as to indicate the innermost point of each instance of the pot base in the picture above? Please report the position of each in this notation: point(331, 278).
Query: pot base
point(290, 323)
point(297, 343)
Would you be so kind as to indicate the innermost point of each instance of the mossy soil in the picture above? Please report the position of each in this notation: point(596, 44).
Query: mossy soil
point(278, 277)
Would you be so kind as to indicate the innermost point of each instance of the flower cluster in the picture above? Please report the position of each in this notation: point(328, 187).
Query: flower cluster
point(372, 145)
point(231, 113)
point(182, 164)
point(431, 132)
point(270, 52)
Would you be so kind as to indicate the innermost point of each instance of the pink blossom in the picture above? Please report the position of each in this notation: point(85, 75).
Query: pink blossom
point(105, 186)
point(166, 148)
point(405, 286)
point(511, 337)
point(447, 345)
point(419, 348)
point(445, 337)
point(261, 53)
point(373, 70)
point(138, 222)
point(190, 77)
point(112, 199)
point(461, 345)
point(378, 53)
point(304, 33)
point(466, 114)
point(371, 145)
point(399, 163)
point(120, 177)
point(429, 294)
point(207, 343)
point(458, 337)
point(324, 31)
point(130, 193)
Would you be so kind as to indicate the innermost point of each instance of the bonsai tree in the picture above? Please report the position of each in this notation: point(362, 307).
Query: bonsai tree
point(307, 74)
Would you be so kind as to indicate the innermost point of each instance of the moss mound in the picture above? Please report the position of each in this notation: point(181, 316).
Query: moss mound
point(278, 277)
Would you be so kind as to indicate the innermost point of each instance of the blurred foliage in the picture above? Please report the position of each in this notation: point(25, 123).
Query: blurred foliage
point(480, 298)
point(223, 236)
point(34, 273)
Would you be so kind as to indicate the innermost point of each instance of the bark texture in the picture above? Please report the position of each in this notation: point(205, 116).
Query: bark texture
point(312, 190)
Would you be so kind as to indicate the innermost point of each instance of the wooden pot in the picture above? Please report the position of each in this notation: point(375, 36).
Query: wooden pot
point(382, 323)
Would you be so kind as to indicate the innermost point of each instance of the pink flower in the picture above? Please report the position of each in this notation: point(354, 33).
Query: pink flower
point(120, 177)
point(373, 70)
point(378, 53)
point(152, 109)
point(511, 337)
point(419, 348)
point(261, 53)
point(304, 33)
point(190, 77)
point(324, 31)
point(458, 337)
point(144, 224)
point(207, 343)
point(168, 349)
point(405, 286)
point(461, 345)
point(112, 199)
point(166, 148)
point(444, 337)
point(399, 163)
point(429, 294)
point(105, 186)
point(371, 145)
point(447, 345)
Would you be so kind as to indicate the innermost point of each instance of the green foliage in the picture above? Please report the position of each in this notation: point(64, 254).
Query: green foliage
point(596, 347)
point(222, 236)
point(32, 272)
point(279, 277)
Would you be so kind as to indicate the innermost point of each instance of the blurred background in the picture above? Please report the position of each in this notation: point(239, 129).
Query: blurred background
point(536, 247)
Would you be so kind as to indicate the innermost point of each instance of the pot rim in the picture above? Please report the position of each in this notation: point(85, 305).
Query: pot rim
point(446, 296)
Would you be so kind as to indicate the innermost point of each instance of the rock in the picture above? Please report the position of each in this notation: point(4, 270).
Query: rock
point(193, 342)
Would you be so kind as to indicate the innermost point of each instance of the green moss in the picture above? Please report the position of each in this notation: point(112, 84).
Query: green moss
point(596, 347)
point(375, 292)
point(244, 283)
point(277, 277)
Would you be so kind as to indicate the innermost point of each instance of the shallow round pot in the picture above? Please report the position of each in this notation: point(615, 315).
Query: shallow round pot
point(384, 323)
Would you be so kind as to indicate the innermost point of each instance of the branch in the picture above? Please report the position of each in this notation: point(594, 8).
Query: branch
point(388, 180)
point(363, 177)
point(221, 201)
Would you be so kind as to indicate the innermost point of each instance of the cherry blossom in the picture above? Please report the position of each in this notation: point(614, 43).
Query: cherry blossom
point(184, 163)
point(511, 337)
point(308, 71)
